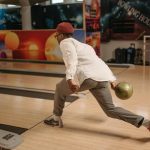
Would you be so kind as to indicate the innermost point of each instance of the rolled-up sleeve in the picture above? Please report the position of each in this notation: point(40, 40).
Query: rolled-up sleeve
point(70, 58)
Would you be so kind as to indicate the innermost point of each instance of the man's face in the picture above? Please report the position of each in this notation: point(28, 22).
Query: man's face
point(59, 37)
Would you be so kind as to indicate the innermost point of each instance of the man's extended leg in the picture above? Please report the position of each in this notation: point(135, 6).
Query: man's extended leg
point(104, 98)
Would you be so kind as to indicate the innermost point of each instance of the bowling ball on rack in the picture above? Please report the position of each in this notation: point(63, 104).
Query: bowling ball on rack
point(123, 90)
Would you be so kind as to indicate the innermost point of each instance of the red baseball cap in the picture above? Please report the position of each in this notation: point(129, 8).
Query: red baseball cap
point(65, 27)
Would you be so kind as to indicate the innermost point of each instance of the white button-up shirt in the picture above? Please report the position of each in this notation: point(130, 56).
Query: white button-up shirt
point(82, 62)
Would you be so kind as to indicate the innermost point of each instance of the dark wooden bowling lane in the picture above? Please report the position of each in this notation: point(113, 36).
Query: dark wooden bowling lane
point(32, 81)
point(23, 111)
point(28, 81)
point(32, 66)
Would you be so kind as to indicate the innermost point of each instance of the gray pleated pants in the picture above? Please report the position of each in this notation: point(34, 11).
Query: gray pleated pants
point(101, 92)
